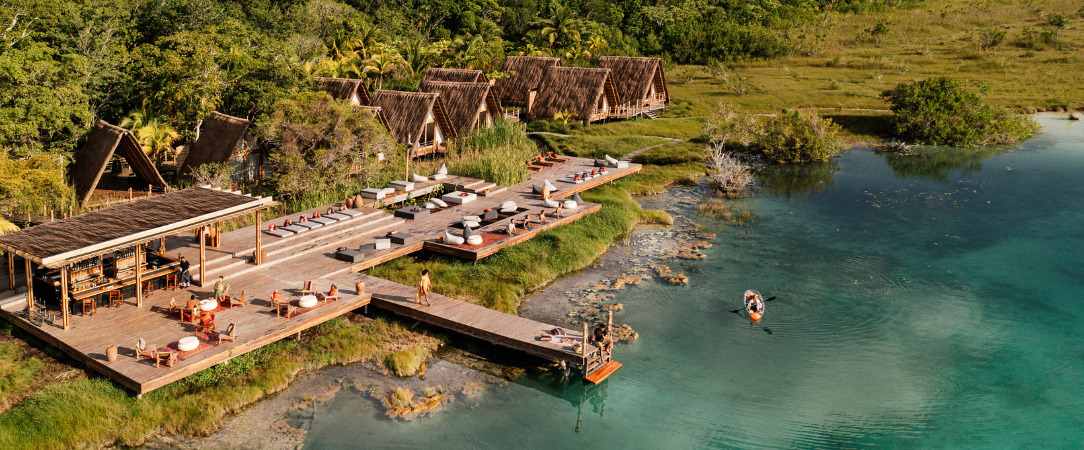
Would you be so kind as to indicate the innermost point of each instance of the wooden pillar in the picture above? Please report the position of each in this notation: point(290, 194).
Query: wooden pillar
point(202, 254)
point(257, 258)
point(139, 274)
point(162, 246)
point(11, 270)
point(29, 284)
point(65, 275)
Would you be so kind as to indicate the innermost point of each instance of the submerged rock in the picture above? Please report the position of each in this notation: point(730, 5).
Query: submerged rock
point(679, 279)
point(613, 307)
point(623, 332)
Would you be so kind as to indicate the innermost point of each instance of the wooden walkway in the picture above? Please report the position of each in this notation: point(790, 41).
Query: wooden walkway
point(311, 256)
point(499, 328)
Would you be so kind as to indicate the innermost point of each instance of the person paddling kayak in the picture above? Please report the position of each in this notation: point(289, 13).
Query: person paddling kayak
point(754, 305)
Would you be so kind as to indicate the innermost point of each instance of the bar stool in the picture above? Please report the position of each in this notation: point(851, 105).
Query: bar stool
point(89, 303)
point(171, 281)
point(148, 287)
point(115, 298)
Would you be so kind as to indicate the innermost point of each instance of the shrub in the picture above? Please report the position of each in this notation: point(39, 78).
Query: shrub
point(495, 154)
point(405, 363)
point(943, 111)
point(400, 397)
point(797, 137)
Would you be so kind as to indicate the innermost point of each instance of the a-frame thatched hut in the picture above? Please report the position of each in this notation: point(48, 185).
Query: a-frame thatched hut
point(526, 76)
point(588, 93)
point(469, 105)
point(417, 119)
point(640, 83)
point(91, 160)
point(345, 89)
point(454, 75)
point(225, 139)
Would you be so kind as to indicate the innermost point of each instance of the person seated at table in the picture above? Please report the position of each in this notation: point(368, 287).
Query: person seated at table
point(220, 288)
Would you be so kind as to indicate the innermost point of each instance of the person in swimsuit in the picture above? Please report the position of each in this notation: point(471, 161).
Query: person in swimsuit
point(424, 285)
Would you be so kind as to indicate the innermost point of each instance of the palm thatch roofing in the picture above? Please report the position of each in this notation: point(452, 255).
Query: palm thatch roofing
point(379, 114)
point(407, 113)
point(55, 244)
point(219, 136)
point(454, 75)
point(464, 102)
point(634, 76)
point(345, 89)
point(92, 159)
point(578, 90)
point(527, 72)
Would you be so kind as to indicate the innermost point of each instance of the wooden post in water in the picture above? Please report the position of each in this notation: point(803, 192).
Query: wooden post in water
point(129, 194)
point(65, 275)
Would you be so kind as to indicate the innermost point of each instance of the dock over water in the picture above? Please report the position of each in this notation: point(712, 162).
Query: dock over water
point(308, 256)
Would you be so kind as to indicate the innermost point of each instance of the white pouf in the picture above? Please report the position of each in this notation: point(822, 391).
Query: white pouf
point(508, 211)
point(470, 223)
point(452, 239)
point(550, 203)
point(443, 169)
point(418, 178)
point(508, 205)
point(307, 301)
point(569, 204)
point(187, 344)
point(208, 305)
point(472, 219)
point(438, 176)
point(440, 203)
point(474, 240)
point(430, 205)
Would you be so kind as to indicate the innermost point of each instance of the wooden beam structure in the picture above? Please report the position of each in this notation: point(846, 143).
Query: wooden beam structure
point(257, 257)
point(139, 274)
point(65, 275)
point(202, 255)
point(11, 270)
point(30, 285)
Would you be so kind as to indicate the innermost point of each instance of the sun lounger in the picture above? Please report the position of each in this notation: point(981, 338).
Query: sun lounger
point(295, 228)
point(280, 232)
point(337, 216)
point(309, 224)
point(350, 212)
point(323, 220)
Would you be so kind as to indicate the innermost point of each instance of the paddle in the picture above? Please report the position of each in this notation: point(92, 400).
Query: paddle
point(737, 311)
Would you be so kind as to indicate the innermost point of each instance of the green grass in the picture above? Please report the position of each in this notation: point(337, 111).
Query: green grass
point(597, 146)
point(17, 371)
point(406, 362)
point(97, 412)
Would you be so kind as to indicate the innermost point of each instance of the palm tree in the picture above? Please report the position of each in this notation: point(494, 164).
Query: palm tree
point(6, 226)
point(578, 55)
point(596, 43)
point(562, 27)
point(136, 119)
point(382, 63)
point(417, 56)
point(157, 138)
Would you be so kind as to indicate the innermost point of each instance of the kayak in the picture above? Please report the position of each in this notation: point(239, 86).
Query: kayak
point(752, 298)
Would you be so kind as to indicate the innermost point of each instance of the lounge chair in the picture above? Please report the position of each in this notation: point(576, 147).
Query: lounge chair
point(190, 310)
point(333, 294)
point(206, 324)
point(531, 167)
point(142, 352)
point(311, 287)
point(554, 157)
point(239, 301)
point(538, 161)
point(165, 358)
point(230, 335)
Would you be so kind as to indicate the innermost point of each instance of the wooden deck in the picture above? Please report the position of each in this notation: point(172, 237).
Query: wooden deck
point(310, 256)
point(256, 324)
point(499, 328)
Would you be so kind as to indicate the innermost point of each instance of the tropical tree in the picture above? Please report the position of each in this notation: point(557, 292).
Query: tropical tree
point(382, 63)
point(156, 137)
point(562, 28)
point(418, 56)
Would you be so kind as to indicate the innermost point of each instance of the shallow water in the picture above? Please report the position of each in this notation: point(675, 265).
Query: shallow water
point(926, 301)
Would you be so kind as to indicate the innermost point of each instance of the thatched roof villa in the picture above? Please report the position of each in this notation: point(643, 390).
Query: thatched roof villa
point(640, 82)
point(417, 119)
point(345, 89)
point(469, 105)
point(589, 93)
point(225, 139)
point(454, 75)
point(94, 157)
point(527, 71)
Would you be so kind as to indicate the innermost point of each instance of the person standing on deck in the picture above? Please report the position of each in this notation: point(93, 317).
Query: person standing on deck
point(424, 285)
point(220, 288)
point(184, 277)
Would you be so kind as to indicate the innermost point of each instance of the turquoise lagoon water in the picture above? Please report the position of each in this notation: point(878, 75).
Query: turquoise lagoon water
point(927, 301)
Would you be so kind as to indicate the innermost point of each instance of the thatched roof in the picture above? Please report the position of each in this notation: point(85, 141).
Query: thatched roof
point(92, 159)
point(345, 89)
point(219, 136)
point(634, 76)
point(379, 113)
point(574, 89)
point(454, 75)
point(464, 101)
point(407, 111)
point(97, 232)
point(527, 75)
